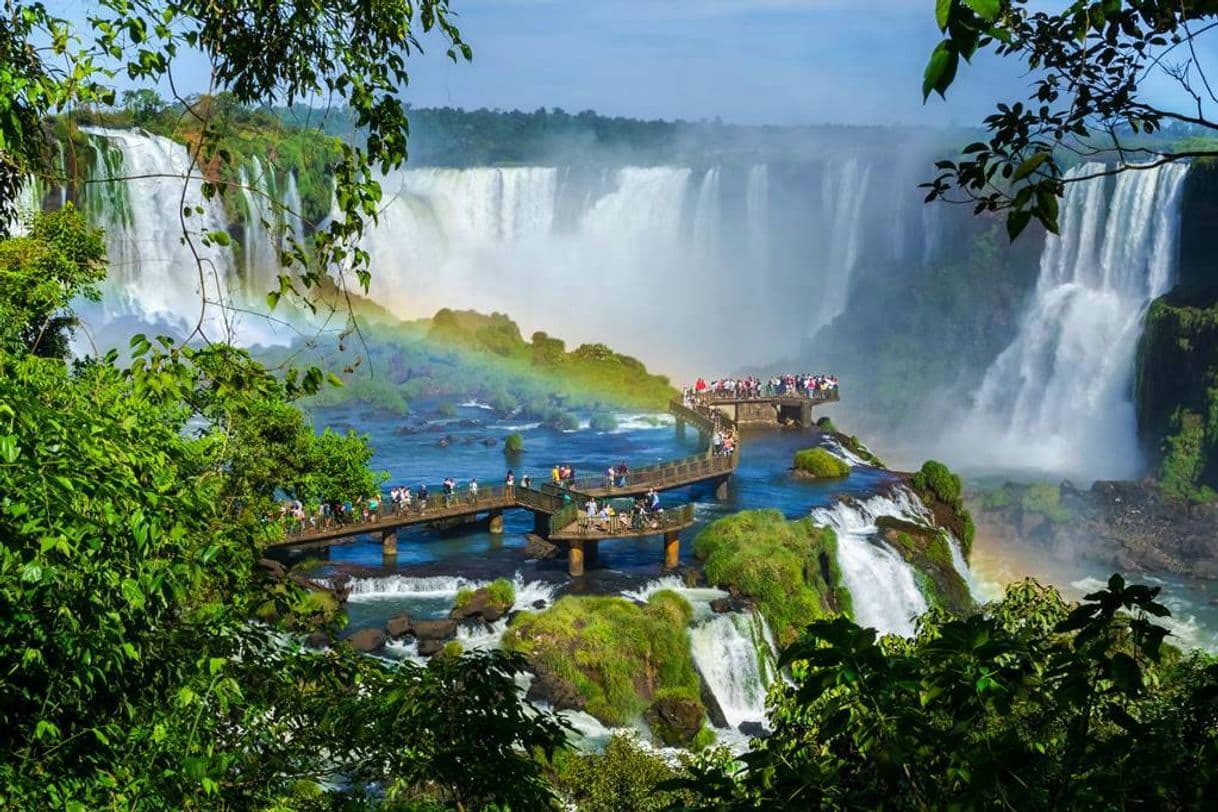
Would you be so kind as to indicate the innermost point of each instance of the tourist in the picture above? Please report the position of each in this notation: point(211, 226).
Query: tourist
point(374, 507)
point(448, 488)
point(590, 507)
point(609, 477)
point(555, 475)
point(526, 482)
point(422, 492)
point(405, 500)
point(473, 490)
point(622, 471)
point(509, 484)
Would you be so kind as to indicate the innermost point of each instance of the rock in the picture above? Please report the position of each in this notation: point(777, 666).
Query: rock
point(537, 547)
point(754, 730)
point(397, 626)
point(714, 711)
point(443, 442)
point(479, 606)
point(547, 686)
point(367, 640)
point(489, 441)
point(434, 629)
point(317, 640)
point(540, 603)
point(721, 605)
point(428, 648)
point(675, 720)
point(273, 568)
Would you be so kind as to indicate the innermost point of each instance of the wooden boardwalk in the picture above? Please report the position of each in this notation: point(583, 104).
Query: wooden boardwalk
point(557, 509)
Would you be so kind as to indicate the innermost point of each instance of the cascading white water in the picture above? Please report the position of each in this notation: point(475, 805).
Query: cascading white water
point(844, 195)
point(1059, 397)
point(734, 653)
point(883, 590)
point(160, 268)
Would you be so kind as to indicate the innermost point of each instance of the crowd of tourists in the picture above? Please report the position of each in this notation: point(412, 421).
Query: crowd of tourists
point(644, 513)
point(803, 385)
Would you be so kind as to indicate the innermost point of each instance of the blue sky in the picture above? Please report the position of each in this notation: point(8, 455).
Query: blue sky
point(764, 61)
point(745, 61)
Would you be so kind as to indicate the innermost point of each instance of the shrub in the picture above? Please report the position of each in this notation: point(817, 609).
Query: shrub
point(625, 776)
point(616, 654)
point(603, 422)
point(789, 568)
point(568, 422)
point(820, 463)
point(937, 479)
point(513, 443)
point(447, 409)
point(501, 592)
point(826, 424)
point(465, 596)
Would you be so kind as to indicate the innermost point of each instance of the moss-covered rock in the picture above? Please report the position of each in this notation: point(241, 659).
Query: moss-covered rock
point(603, 421)
point(819, 463)
point(927, 550)
point(942, 492)
point(619, 657)
point(489, 602)
point(788, 567)
point(513, 443)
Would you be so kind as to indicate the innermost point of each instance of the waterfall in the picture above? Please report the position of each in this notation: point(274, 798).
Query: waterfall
point(734, 653)
point(1059, 397)
point(882, 586)
point(707, 217)
point(160, 270)
point(757, 207)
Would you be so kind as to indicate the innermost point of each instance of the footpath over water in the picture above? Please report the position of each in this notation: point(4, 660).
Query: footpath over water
point(558, 510)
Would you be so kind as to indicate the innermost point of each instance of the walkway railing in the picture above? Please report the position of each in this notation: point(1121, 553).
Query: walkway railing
point(818, 396)
point(657, 521)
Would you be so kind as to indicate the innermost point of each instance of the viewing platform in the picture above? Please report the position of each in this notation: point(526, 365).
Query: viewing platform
point(558, 508)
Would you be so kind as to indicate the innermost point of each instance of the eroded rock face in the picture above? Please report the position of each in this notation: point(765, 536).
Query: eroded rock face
point(430, 648)
point(675, 721)
point(549, 687)
point(366, 640)
point(1124, 526)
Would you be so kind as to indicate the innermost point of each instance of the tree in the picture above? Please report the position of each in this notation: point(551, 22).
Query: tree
point(1089, 65)
point(40, 274)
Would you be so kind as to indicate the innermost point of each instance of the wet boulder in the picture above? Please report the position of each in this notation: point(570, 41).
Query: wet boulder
point(675, 720)
point(443, 629)
point(398, 626)
point(538, 548)
point(366, 640)
point(429, 648)
point(549, 687)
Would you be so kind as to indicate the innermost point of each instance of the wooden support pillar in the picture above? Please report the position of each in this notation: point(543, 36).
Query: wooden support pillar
point(575, 558)
point(389, 542)
point(496, 522)
point(672, 549)
point(721, 490)
point(805, 415)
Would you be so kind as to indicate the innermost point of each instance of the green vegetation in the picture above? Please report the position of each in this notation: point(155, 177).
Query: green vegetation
point(1177, 390)
point(603, 421)
point(41, 273)
point(513, 443)
point(789, 568)
point(462, 354)
point(943, 493)
point(1036, 702)
point(820, 463)
point(826, 424)
point(619, 656)
point(624, 777)
point(928, 551)
point(502, 593)
point(1046, 500)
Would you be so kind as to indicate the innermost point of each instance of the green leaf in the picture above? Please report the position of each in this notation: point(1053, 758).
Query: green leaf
point(942, 11)
point(272, 299)
point(986, 9)
point(1017, 221)
point(940, 70)
point(1029, 166)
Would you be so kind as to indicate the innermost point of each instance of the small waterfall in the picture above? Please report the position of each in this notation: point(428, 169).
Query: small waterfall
point(844, 190)
point(1059, 397)
point(882, 586)
point(734, 653)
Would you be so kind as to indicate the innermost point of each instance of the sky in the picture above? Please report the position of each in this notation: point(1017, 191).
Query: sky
point(749, 62)
point(744, 61)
